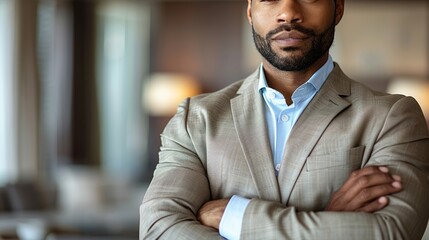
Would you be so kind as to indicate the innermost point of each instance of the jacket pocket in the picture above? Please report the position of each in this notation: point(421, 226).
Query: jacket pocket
point(351, 158)
point(322, 176)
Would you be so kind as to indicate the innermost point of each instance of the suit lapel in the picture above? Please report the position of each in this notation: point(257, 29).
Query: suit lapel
point(249, 120)
point(327, 104)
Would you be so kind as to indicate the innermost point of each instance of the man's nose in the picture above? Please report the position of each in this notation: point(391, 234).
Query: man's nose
point(289, 11)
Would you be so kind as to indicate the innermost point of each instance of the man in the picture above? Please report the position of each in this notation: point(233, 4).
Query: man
point(295, 151)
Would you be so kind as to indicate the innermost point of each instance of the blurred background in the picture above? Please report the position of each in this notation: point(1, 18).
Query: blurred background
point(86, 87)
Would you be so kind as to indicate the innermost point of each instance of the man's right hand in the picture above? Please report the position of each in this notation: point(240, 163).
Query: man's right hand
point(365, 190)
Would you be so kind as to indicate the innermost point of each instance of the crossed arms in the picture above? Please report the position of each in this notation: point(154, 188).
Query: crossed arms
point(385, 200)
point(366, 190)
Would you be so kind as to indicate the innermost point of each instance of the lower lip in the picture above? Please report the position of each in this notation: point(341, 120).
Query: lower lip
point(290, 42)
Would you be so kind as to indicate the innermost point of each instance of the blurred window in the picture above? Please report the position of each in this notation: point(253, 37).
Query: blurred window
point(54, 57)
point(8, 156)
point(122, 65)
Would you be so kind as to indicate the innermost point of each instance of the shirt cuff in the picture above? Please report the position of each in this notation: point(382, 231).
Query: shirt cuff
point(232, 219)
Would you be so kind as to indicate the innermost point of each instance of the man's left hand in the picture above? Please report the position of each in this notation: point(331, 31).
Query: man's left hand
point(211, 212)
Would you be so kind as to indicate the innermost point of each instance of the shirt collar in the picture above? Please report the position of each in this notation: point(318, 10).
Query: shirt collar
point(317, 80)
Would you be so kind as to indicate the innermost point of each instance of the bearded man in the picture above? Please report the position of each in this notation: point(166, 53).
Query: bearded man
point(295, 151)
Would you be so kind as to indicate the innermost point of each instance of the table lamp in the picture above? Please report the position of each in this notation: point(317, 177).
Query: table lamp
point(163, 92)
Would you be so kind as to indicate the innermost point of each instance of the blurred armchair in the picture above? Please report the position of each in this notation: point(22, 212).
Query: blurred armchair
point(26, 196)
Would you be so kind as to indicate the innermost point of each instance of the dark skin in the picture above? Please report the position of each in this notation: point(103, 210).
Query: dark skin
point(317, 15)
point(366, 189)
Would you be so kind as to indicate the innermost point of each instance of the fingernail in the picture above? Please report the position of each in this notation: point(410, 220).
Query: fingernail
point(384, 169)
point(396, 184)
point(397, 178)
point(382, 200)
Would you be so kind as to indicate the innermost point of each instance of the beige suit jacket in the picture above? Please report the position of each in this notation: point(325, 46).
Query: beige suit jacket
point(217, 146)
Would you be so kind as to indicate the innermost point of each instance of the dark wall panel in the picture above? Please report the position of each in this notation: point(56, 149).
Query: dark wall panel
point(203, 39)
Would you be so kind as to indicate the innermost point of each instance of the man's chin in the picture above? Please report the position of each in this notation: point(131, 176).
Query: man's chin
point(291, 59)
point(292, 63)
point(291, 53)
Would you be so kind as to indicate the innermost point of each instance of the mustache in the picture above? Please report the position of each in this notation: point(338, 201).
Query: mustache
point(290, 27)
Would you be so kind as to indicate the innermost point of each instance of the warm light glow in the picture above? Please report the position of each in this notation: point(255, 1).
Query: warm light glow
point(417, 88)
point(164, 92)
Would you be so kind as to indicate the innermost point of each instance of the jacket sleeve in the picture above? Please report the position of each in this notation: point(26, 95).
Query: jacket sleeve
point(178, 189)
point(403, 146)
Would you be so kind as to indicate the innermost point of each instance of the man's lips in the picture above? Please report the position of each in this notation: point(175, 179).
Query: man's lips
point(287, 39)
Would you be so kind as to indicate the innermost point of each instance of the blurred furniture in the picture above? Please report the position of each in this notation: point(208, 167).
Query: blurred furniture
point(25, 196)
point(26, 203)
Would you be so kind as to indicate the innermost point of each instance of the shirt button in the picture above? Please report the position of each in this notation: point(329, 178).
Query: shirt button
point(285, 118)
point(278, 167)
point(271, 95)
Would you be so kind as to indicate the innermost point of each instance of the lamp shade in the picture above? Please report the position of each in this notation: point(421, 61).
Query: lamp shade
point(417, 88)
point(163, 92)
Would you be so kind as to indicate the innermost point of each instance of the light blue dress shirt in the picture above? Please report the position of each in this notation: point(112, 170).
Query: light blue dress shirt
point(280, 119)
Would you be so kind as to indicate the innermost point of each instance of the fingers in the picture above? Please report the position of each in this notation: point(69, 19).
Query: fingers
point(375, 205)
point(377, 187)
point(363, 172)
point(366, 190)
point(370, 186)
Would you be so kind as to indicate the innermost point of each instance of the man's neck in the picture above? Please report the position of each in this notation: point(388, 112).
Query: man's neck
point(286, 82)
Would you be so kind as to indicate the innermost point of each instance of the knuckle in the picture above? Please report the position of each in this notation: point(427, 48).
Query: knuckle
point(363, 181)
point(364, 195)
point(355, 173)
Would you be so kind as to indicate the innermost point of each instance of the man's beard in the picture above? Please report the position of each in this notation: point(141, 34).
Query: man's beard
point(319, 46)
